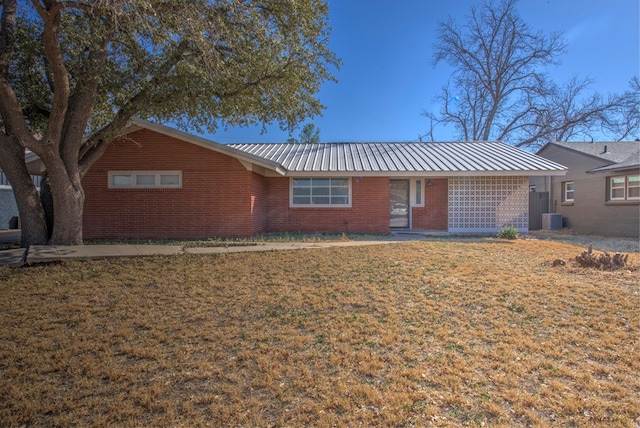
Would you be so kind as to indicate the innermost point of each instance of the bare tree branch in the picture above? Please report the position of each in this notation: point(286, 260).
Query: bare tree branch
point(498, 89)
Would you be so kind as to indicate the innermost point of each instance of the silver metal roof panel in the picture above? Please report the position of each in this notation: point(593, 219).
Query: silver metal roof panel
point(454, 157)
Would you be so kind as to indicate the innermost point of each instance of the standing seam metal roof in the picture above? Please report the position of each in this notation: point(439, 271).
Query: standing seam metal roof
point(399, 157)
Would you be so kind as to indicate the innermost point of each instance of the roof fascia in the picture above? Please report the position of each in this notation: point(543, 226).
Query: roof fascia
point(605, 169)
point(410, 174)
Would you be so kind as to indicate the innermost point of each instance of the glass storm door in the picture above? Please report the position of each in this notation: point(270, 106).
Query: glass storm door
point(399, 203)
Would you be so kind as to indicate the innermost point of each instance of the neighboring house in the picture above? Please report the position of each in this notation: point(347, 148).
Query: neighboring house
point(8, 206)
point(601, 192)
point(158, 182)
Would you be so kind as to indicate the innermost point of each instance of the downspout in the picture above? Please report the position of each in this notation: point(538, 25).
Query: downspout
point(548, 178)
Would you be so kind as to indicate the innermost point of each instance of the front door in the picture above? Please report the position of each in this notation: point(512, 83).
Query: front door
point(399, 202)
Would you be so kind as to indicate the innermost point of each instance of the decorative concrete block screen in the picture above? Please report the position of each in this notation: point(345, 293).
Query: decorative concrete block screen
point(487, 204)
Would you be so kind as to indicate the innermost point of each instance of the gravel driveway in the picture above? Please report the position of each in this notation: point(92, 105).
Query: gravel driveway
point(602, 243)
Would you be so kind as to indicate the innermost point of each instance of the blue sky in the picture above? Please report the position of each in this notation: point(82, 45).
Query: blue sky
point(387, 78)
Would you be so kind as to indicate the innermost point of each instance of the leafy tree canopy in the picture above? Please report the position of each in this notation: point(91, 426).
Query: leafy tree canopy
point(201, 63)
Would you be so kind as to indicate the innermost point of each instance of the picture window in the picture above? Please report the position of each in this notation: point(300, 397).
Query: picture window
point(319, 192)
point(624, 187)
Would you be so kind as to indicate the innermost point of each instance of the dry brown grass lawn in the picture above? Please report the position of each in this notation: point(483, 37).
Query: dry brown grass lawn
point(412, 334)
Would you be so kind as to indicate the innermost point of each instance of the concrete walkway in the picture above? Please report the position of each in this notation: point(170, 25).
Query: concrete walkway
point(11, 256)
point(47, 253)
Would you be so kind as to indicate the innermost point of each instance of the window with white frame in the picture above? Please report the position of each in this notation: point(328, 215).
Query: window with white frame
point(319, 192)
point(568, 191)
point(624, 187)
point(145, 179)
point(418, 192)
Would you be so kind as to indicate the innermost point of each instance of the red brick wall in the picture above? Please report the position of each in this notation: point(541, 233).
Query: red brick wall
point(369, 212)
point(433, 216)
point(258, 203)
point(219, 197)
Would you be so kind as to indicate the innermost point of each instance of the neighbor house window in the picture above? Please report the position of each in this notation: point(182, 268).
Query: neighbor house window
point(330, 192)
point(145, 179)
point(624, 187)
point(567, 192)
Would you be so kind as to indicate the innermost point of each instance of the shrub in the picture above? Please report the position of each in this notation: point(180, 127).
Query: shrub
point(508, 232)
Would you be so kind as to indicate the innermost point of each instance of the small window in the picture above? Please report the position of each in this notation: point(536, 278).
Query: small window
point(169, 179)
point(418, 193)
point(120, 180)
point(321, 192)
point(568, 191)
point(145, 179)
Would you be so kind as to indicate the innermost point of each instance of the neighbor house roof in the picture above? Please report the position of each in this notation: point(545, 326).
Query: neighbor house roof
point(631, 162)
point(453, 158)
point(612, 151)
point(618, 155)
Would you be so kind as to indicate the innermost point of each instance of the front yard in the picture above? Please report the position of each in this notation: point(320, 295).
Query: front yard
point(420, 333)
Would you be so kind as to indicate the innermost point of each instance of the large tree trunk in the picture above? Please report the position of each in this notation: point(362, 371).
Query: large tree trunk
point(68, 205)
point(32, 220)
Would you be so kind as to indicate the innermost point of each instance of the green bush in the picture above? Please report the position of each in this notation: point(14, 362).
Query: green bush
point(508, 232)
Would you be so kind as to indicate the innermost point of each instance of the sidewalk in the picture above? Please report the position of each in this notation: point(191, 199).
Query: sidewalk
point(48, 253)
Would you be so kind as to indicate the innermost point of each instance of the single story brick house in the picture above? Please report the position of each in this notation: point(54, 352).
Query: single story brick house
point(157, 182)
point(600, 193)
